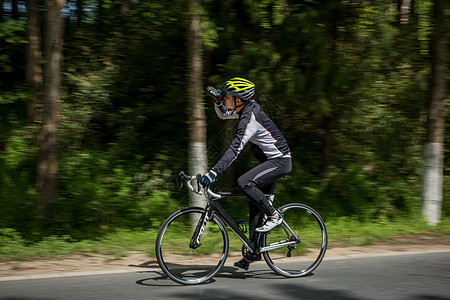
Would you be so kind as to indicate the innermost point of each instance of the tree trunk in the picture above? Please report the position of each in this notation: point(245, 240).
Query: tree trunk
point(34, 58)
point(79, 11)
point(326, 148)
point(125, 8)
point(15, 9)
point(47, 170)
point(1, 10)
point(197, 121)
point(434, 147)
point(403, 10)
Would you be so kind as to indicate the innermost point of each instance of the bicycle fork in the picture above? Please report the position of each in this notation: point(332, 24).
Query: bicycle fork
point(200, 229)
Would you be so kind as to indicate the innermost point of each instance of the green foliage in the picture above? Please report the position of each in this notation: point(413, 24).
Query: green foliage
point(11, 36)
point(15, 95)
point(10, 238)
point(350, 231)
point(424, 12)
point(115, 245)
point(209, 31)
point(98, 195)
point(446, 193)
point(344, 80)
point(267, 12)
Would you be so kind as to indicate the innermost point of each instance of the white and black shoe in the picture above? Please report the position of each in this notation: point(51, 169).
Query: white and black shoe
point(271, 222)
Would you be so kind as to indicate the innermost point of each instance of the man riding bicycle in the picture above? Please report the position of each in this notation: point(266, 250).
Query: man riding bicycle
point(268, 145)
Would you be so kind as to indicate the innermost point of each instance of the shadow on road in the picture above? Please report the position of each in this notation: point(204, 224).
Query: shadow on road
point(278, 285)
point(158, 278)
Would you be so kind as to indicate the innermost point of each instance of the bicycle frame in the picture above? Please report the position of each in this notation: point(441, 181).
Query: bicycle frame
point(215, 208)
point(225, 217)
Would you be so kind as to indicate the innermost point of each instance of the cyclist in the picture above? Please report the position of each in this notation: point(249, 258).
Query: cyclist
point(268, 145)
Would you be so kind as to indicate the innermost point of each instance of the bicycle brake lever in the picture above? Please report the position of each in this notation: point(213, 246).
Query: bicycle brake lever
point(181, 174)
point(184, 178)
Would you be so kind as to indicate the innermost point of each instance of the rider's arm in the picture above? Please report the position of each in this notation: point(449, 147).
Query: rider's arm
point(245, 130)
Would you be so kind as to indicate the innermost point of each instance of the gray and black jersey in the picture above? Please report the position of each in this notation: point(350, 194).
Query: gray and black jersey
point(257, 129)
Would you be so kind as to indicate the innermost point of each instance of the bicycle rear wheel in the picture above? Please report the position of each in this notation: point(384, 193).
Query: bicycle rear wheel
point(304, 227)
point(183, 264)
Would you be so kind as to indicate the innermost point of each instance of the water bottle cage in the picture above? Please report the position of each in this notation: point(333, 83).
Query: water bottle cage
point(242, 226)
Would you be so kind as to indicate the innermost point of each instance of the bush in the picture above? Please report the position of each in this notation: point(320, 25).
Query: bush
point(352, 192)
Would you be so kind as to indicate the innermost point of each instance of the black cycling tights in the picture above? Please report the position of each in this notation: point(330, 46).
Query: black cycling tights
point(259, 181)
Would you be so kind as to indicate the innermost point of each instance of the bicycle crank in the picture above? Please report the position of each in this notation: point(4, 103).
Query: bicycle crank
point(250, 256)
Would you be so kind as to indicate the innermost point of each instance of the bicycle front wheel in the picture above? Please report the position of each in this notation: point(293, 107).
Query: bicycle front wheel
point(298, 245)
point(180, 262)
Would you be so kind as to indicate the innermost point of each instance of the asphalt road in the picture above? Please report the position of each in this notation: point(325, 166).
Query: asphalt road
point(407, 276)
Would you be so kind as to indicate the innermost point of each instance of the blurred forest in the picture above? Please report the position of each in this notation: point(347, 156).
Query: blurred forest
point(347, 82)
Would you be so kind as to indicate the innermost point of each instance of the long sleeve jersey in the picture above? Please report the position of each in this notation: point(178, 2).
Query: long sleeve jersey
point(257, 129)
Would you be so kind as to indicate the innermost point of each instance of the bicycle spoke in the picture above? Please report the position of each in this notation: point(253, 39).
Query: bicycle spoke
point(297, 248)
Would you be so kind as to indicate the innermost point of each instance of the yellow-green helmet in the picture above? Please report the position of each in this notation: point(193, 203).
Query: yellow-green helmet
point(243, 88)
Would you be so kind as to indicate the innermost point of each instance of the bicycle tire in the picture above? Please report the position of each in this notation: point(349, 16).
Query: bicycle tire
point(181, 263)
point(309, 249)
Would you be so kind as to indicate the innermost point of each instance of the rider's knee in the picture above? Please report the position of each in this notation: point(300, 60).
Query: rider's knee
point(245, 184)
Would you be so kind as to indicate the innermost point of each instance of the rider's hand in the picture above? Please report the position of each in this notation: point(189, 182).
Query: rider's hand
point(207, 179)
point(220, 99)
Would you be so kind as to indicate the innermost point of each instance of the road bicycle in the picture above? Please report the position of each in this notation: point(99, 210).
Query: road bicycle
point(192, 244)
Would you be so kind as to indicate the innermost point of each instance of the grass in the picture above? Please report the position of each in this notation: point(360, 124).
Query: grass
point(351, 232)
point(114, 245)
point(343, 231)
